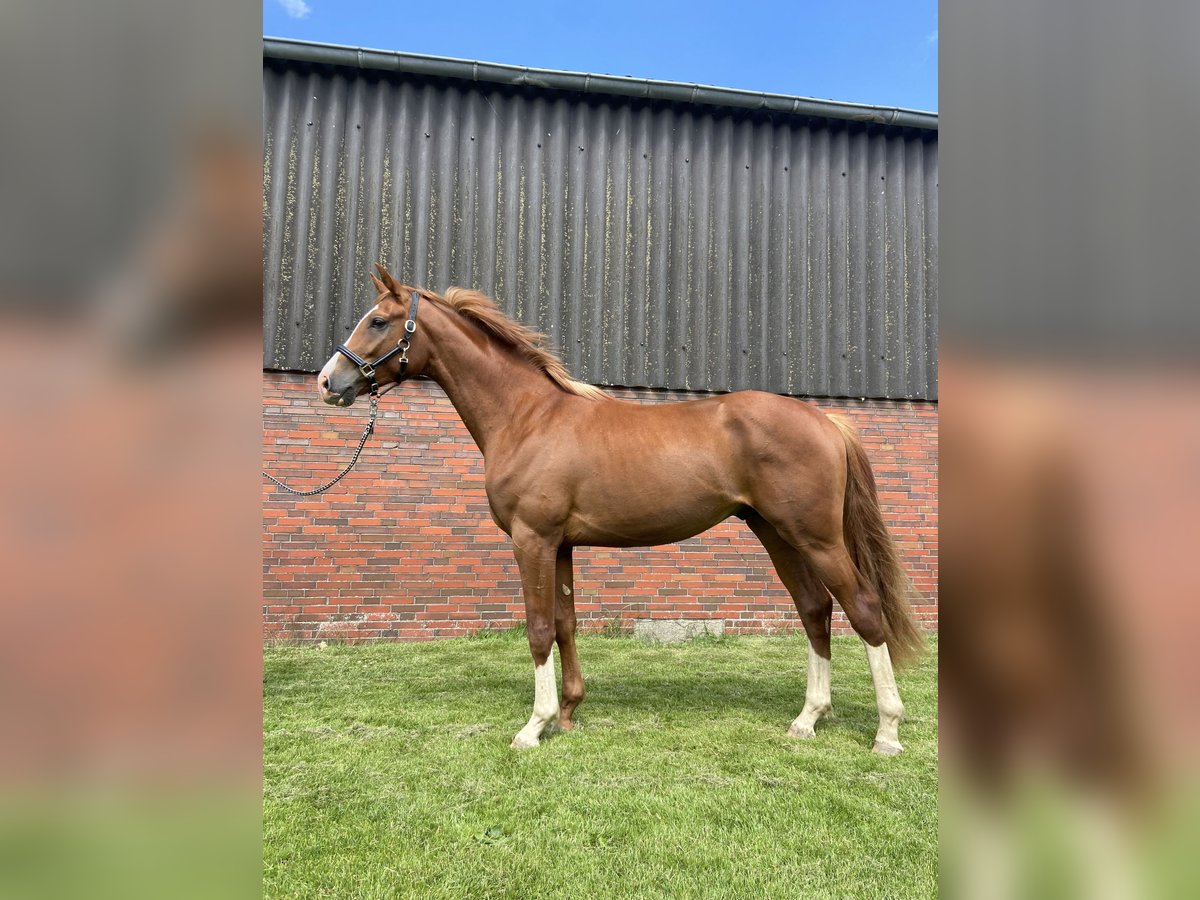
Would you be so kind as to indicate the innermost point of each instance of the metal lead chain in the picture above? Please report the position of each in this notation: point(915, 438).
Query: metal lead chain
point(367, 432)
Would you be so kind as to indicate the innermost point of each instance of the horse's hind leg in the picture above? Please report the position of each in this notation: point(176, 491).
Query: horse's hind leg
point(836, 569)
point(564, 629)
point(815, 606)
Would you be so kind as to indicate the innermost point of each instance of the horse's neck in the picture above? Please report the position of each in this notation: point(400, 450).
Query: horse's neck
point(489, 384)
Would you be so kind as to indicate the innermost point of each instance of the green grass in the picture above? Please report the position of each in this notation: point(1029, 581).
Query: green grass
point(388, 774)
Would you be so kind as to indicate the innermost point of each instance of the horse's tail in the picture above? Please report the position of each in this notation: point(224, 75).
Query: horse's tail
point(873, 551)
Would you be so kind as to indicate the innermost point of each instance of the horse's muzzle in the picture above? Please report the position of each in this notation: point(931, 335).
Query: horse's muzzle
point(334, 397)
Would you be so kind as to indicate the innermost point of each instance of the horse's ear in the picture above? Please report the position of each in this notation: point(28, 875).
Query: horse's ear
point(392, 284)
point(379, 285)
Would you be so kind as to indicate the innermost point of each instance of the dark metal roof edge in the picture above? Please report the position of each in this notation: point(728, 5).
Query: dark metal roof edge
point(620, 85)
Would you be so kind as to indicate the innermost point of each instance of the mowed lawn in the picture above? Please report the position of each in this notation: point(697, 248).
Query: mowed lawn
point(388, 774)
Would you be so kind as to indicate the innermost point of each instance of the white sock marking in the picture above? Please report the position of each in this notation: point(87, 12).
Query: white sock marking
point(816, 696)
point(887, 698)
point(545, 704)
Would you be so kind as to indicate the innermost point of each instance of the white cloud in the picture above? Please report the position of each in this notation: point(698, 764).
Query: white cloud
point(930, 38)
point(297, 9)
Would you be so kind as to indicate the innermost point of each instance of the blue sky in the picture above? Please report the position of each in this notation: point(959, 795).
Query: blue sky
point(865, 51)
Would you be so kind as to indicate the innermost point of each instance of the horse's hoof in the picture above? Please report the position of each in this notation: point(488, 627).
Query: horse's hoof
point(566, 724)
point(801, 731)
point(887, 748)
point(524, 742)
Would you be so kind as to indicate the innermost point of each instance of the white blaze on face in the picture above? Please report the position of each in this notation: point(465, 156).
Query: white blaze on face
point(370, 312)
point(326, 373)
point(545, 704)
point(325, 376)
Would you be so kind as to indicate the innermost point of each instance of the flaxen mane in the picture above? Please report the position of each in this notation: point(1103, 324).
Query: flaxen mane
point(482, 310)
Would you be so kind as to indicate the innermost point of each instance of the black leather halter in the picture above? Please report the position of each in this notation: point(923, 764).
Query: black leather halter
point(368, 369)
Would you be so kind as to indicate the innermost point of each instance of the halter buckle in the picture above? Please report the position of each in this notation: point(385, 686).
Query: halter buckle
point(368, 370)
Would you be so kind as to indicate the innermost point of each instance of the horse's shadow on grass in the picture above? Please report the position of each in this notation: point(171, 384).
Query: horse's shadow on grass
point(282, 674)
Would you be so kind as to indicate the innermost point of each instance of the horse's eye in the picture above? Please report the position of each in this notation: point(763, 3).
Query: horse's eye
point(378, 323)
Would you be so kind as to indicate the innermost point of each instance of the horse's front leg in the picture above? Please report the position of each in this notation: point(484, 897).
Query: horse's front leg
point(537, 558)
point(564, 624)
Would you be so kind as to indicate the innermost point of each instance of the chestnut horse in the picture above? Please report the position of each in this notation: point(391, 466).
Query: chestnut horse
point(568, 466)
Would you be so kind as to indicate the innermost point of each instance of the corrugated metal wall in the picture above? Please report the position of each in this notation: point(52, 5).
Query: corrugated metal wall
point(658, 245)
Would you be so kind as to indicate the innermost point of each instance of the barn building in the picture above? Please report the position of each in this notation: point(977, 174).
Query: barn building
point(672, 240)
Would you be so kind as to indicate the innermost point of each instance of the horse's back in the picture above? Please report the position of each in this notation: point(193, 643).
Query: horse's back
point(727, 428)
point(763, 424)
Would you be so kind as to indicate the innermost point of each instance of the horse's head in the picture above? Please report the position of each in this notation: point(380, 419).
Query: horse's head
point(380, 348)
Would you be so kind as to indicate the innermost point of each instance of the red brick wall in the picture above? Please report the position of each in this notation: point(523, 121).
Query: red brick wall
point(404, 547)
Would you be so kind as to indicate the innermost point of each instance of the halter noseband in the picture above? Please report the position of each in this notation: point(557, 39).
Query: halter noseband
point(368, 369)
